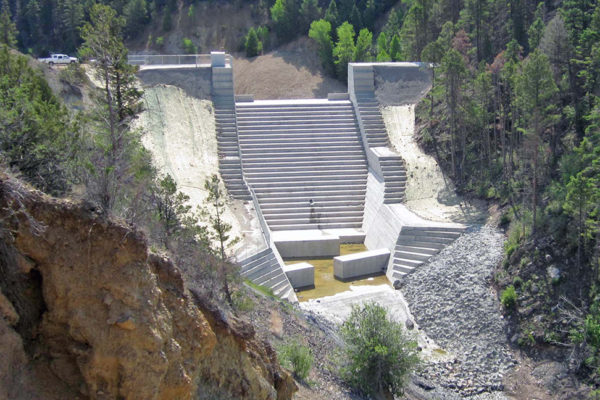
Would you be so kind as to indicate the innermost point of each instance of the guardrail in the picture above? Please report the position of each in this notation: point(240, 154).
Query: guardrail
point(174, 59)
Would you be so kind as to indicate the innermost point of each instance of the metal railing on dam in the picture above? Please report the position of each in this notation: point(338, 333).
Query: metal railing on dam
point(198, 60)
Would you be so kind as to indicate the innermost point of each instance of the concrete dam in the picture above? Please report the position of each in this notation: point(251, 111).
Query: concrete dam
point(317, 172)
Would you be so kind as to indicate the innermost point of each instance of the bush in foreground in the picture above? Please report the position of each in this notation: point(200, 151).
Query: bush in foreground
point(378, 355)
point(508, 298)
point(297, 358)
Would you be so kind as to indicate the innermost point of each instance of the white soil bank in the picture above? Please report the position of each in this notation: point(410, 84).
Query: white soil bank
point(428, 193)
point(179, 131)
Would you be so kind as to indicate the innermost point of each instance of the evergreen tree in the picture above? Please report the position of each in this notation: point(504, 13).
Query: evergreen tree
point(221, 229)
point(344, 49)
point(355, 18)
point(395, 49)
point(454, 69)
point(69, 22)
point(364, 43)
point(253, 45)
point(383, 56)
point(320, 32)
point(331, 14)
point(136, 16)
point(370, 14)
point(535, 89)
point(382, 46)
point(309, 12)
point(37, 137)
point(285, 16)
point(112, 167)
point(8, 29)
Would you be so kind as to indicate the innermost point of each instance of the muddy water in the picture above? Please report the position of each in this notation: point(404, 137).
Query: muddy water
point(325, 283)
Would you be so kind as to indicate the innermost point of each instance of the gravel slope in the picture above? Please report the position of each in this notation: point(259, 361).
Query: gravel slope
point(452, 301)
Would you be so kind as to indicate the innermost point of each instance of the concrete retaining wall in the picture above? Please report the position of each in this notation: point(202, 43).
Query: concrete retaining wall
point(401, 83)
point(324, 246)
point(196, 82)
point(301, 275)
point(361, 264)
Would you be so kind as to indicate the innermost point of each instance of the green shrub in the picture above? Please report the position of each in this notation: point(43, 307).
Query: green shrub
point(160, 41)
point(188, 46)
point(378, 356)
point(517, 282)
point(508, 298)
point(297, 358)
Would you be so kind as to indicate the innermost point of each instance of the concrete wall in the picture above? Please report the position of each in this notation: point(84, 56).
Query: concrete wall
point(324, 246)
point(196, 82)
point(401, 83)
point(361, 264)
point(301, 275)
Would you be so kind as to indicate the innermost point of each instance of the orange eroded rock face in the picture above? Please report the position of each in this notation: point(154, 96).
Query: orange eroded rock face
point(118, 320)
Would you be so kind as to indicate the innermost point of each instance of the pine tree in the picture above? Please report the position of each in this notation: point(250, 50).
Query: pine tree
point(221, 229)
point(136, 16)
point(8, 29)
point(309, 12)
point(535, 89)
point(320, 32)
point(355, 18)
point(331, 14)
point(382, 46)
point(344, 49)
point(364, 43)
point(253, 45)
point(285, 16)
point(113, 166)
point(395, 49)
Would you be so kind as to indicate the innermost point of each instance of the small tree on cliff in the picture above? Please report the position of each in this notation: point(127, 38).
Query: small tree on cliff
point(116, 159)
point(221, 230)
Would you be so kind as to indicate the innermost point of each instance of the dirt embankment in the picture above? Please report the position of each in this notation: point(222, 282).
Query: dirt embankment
point(291, 72)
point(179, 131)
point(429, 193)
point(86, 311)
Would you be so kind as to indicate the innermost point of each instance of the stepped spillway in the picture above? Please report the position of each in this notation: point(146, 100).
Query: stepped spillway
point(305, 161)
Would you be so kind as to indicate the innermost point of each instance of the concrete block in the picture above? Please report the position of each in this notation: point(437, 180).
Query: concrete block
point(244, 98)
point(300, 275)
point(217, 58)
point(338, 96)
point(302, 246)
point(360, 264)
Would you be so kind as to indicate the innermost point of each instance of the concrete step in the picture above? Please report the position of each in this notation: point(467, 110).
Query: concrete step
point(290, 141)
point(333, 204)
point(320, 225)
point(422, 244)
point(318, 191)
point(308, 214)
point(316, 116)
point(307, 179)
point(313, 171)
point(317, 148)
point(324, 184)
point(306, 210)
point(306, 197)
point(328, 120)
point(322, 219)
point(249, 260)
point(416, 249)
point(296, 159)
point(404, 269)
point(406, 261)
point(411, 255)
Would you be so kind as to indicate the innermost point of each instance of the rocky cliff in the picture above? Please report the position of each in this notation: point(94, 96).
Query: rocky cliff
point(83, 300)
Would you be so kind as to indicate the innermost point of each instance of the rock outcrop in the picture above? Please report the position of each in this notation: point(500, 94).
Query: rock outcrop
point(81, 296)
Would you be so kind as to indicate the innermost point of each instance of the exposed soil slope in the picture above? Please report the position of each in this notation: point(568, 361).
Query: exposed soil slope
point(82, 296)
point(291, 72)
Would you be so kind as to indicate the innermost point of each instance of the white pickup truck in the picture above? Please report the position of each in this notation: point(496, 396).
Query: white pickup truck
point(58, 59)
